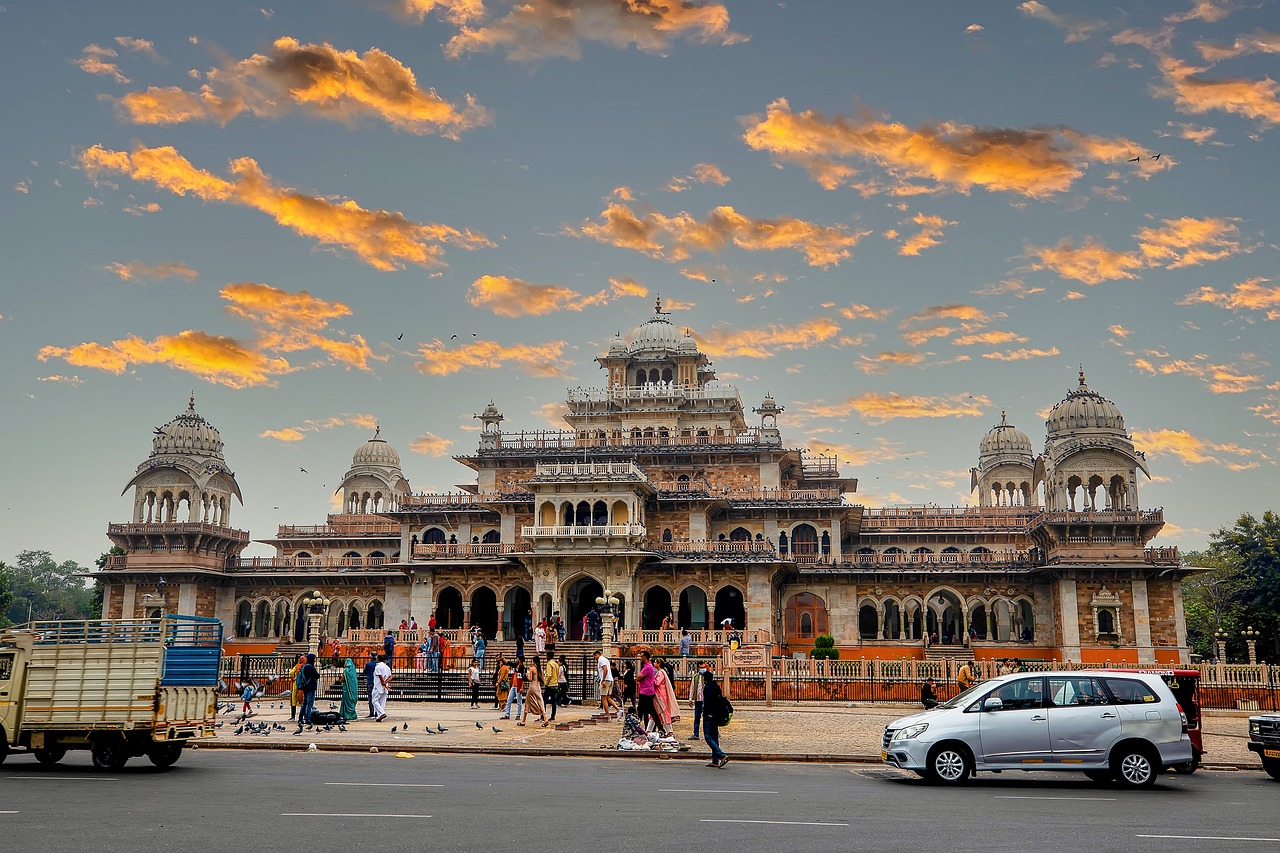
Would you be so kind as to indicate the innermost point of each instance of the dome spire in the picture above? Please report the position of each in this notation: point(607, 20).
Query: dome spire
point(1004, 420)
point(191, 401)
point(1082, 385)
point(657, 304)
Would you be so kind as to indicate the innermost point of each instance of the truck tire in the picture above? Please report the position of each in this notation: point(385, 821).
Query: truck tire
point(109, 753)
point(1271, 765)
point(165, 755)
point(4, 746)
point(50, 755)
point(1135, 766)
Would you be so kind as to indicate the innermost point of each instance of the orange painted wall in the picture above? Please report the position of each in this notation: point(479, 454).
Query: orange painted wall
point(1110, 655)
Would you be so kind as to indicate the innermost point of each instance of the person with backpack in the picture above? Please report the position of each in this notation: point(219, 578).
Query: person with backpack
point(308, 681)
point(716, 712)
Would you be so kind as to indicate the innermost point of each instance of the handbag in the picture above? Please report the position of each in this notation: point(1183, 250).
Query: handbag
point(504, 685)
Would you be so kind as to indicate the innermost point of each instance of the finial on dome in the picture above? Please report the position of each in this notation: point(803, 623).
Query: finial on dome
point(191, 402)
point(377, 430)
point(657, 304)
point(1082, 385)
point(1003, 418)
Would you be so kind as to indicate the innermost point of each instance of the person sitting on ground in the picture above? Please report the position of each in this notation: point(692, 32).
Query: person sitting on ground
point(928, 696)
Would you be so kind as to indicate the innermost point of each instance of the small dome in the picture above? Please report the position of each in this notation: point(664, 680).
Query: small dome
point(1084, 409)
point(187, 434)
point(1004, 438)
point(375, 451)
point(688, 344)
point(619, 346)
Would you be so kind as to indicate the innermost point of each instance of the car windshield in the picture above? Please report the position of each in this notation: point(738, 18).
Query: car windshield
point(962, 699)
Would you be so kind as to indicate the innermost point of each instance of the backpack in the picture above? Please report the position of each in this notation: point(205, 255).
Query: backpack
point(726, 713)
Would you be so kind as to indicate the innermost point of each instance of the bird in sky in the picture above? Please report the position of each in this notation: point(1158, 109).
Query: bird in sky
point(400, 337)
point(453, 337)
point(1135, 159)
point(1156, 156)
point(303, 470)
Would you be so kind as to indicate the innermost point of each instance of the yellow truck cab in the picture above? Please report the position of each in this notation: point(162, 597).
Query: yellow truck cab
point(120, 688)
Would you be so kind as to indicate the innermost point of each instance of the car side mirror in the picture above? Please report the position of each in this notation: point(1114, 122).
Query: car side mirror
point(992, 703)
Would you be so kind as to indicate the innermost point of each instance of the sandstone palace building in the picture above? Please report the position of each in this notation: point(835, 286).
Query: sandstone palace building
point(666, 489)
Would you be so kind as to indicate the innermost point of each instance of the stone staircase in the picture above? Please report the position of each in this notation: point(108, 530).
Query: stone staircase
point(958, 654)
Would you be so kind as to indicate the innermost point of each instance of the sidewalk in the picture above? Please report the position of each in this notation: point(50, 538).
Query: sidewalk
point(782, 732)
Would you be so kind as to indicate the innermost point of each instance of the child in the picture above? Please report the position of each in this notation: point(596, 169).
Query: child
point(247, 696)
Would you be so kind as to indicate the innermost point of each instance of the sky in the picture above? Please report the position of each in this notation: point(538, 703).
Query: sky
point(898, 218)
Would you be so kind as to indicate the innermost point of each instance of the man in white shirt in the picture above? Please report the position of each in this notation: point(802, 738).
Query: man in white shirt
point(604, 682)
point(381, 689)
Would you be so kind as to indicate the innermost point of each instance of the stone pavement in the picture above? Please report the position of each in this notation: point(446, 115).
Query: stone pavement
point(785, 731)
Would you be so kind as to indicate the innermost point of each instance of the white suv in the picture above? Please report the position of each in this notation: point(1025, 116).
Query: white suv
point(1125, 726)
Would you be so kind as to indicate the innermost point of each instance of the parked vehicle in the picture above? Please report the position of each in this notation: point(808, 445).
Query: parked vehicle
point(1108, 724)
point(1185, 684)
point(1264, 739)
point(119, 688)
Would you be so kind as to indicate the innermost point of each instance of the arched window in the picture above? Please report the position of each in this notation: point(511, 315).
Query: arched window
point(740, 534)
point(433, 536)
point(653, 376)
point(805, 617)
point(641, 377)
point(666, 374)
point(666, 534)
point(491, 537)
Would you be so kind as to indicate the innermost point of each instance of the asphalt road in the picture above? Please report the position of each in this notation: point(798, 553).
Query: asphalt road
point(317, 802)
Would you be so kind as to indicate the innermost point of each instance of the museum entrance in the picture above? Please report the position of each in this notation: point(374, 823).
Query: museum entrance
point(581, 599)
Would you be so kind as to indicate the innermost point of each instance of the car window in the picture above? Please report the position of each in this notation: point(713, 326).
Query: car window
point(1069, 690)
point(1020, 695)
point(1130, 691)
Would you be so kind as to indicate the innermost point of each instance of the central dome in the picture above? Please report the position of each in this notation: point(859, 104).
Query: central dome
point(1084, 409)
point(188, 434)
point(656, 333)
point(376, 451)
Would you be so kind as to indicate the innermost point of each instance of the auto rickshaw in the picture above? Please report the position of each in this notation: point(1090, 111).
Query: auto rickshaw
point(1185, 684)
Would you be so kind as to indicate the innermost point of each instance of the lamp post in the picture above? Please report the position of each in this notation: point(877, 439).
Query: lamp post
point(1251, 640)
point(1220, 642)
point(608, 604)
point(316, 604)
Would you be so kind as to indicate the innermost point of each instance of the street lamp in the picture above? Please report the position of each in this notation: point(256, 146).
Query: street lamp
point(1220, 642)
point(316, 604)
point(608, 604)
point(1251, 640)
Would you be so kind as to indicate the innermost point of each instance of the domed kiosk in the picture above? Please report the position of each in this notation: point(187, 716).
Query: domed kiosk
point(1006, 467)
point(374, 483)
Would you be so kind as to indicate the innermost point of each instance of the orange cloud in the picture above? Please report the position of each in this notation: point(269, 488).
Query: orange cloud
point(293, 322)
point(1189, 448)
point(137, 45)
point(1221, 378)
point(138, 271)
point(513, 297)
point(431, 444)
point(1076, 28)
point(1090, 262)
point(455, 11)
point(709, 173)
point(216, 358)
point(289, 434)
point(552, 413)
point(768, 341)
point(1248, 295)
point(1175, 243)
point(676, 238)
point(1011, 287)
point(1034, 163)
point(318, 78)
point(991, 338)
point(627, 287)
point(1208, 11)
point(1195, 133)
point(858, 311)
point(95, 59)
point(927, 237)
point(1022, 354)
point(382, 239)
point(535, 359)
point(940, 321)
point(875, 407)
point(1195, 94)
point(881, 362)
point(298, 433)
point(1259, 41)
point(546, 29)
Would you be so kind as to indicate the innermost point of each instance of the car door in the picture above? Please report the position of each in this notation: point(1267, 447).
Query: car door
point(1017, 731)
point(1083, 721)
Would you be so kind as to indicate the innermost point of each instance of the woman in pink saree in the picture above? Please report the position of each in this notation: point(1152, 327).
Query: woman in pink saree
point(664, 694)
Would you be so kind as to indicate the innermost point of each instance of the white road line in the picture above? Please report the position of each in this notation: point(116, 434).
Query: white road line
point(66, 778)
point(1210, 837)
point(386, 784)
point(7, 812)
point(1015, 797)
point(707, 791)
point(774, 822)
point(346, 814)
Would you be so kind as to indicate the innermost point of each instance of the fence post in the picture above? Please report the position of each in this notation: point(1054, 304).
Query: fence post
point(768, 674)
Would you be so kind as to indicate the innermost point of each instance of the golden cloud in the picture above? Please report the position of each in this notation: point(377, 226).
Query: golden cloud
point(292, 322)
point(881, 362)
point(1187, 447)
point(137, 45)
point(1208, 11)
point(552, 413)
point(766, 342)
point(927, 237)
point(325, 81)
point(1192, 93)
point(940, 321)
point(627, 287)
point(216, 358)
point(138, 271)
point(1011, 287)
point(1089, 263)
point(298, 433)
point(1248, 295)
point(431, 444)
point(1195, 133)
point(875, 407)
point(1022, 354)
point(455, 11)
point(288, 434)
point(513, 297)
point(676, 238)
point(858, 311)
point(73, 381)
point(1119, 331)
point(709, 173)
point(542, 360)
point(991, 338)
point(1221, 378)
point(95, 59)
point(382, 239)
point(1076, 28)
point(545, 29)
point(1259, 41)
point(1034, 163)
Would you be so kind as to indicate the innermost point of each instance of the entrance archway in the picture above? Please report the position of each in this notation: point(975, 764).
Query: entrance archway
point(946, 618)
point(515, 612)
point(693, 609)
point(484, 611)
point(581, 599)
point(449, 608)
point(657, 606)
point(730, 605)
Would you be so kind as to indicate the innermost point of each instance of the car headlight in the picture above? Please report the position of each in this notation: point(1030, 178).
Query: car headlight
point(910, 731)
point(1254, 728)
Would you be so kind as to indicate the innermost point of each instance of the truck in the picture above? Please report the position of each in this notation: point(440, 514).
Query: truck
point(120, 688)
point(1264, 739)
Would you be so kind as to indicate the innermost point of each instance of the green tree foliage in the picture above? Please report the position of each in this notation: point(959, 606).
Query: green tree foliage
point(1242, 590)
point(46, 589)
point(824, 648)
point(6, 595)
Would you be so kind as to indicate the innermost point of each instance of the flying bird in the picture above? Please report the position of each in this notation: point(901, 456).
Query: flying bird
point(400, 337)
point(303, 470)
point(453, 337)
point(1156, 156)
point(1135, 159)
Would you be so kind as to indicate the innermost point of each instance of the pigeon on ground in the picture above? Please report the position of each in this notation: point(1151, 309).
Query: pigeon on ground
point(342, 728)
point(240, 730)
point(478, 726)
point(395, 728)
point(428, 730)
point(441, 728)
point(496, 729)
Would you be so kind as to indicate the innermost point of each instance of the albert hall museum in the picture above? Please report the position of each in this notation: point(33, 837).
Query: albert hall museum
point(691, 507)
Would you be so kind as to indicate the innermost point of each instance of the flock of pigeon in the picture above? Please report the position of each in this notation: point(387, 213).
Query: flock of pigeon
point(244, 726)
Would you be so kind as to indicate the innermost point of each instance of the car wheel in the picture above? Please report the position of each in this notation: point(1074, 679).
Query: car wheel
point(49, 756)
point(1134, 767)
point(1100, 776)
point(1271, 765)
point(109, 753)
point(949, 764)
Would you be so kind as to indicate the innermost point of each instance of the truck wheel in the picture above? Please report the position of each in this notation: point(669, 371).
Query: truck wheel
point(1271, 765)
point(109, 753)
point(165, 755)
point(50, 755)
point(1134, 767)
point(948, 764)
point(4, 746)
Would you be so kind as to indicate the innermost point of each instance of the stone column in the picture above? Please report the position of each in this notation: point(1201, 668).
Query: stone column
point(187, 599)
point(128, 602)
point(835, 540)
point(502, 609)
point(1070, 619)
point(106, 599)
point(224, 608)
point(466, 615)
point(1142, 622)
point(421, 594)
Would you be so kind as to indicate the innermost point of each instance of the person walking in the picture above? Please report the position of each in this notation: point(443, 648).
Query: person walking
point(533, 694)
point(540, 639)
point(368, 680)
point(965, 676)
point(695, 697)
point(629, 685)
point(501, 682)
point(604, 682)
point(551, 685)
point(389, 646)
point(481, 644)
point(665, 706)
point(381, 688)
point(686, 642)
point(473, 679)
point(564, 681)
point(309, 678)
point(295, 686)
point(515, 696)
point(645, 692)
point(715, 713)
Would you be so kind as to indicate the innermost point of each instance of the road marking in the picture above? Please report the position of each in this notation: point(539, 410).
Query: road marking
point(7, 812)
point(1210, 837)
point(386, 784)
point(774, 822)
point(1016, 797)
point(346, 814)
point(68, 778)
point(707, 791)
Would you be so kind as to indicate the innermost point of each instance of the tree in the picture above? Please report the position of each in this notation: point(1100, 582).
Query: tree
point(1211, 601)
point(6, 595)
point(46, 589)
point(1249, 553)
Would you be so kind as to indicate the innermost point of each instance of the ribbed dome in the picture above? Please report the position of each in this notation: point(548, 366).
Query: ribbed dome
point(187, 434)
point(619, 346)
point(1003, 438)
point(688, 344)
point(656, 333)
point(1084, 409)
point(375, 451)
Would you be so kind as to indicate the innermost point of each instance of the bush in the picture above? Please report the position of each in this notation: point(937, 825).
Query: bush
point(824, 641)
point(824, 648)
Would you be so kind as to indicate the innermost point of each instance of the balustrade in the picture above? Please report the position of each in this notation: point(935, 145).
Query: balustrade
point(582, 531)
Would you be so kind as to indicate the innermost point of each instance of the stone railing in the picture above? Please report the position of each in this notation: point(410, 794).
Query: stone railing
point(463, 549)
point(947, 518)
point(568, 439)
point(406, 638)
point(1136, 516)
point(427, 501)
point(253, 564)
point(962, 558)
point(179, 528)
point(557, 530)
point(1163, 556)
point(656, 637)
point(714, 547)
point(628, 471)
point(383, 529)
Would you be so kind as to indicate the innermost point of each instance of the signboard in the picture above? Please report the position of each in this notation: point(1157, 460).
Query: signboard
point(755, 657)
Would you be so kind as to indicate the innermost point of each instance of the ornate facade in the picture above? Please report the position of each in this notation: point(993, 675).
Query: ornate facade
point(662, 491)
